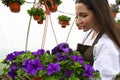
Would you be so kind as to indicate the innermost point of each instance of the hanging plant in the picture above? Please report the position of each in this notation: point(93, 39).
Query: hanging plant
point(115, 9)
point(52, 4)
point(14, 5)
point(60, 63)
point(63, 20)
point(43, 17)
point(118, 21)
point(117, 2)
point(37, 13)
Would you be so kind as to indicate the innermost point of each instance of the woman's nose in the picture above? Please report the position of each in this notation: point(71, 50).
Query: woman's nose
point(78, 21)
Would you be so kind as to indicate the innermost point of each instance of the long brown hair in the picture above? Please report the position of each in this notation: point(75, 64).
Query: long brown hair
point(104, 18)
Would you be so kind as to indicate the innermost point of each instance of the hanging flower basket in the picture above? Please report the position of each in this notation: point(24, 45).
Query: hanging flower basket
point(52, 4)
point(14, 5)
point(63, 20)
point(37, 13)
point(60, 63)
point(115, 9)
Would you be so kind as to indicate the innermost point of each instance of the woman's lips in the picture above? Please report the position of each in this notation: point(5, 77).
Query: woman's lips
point(79, 27)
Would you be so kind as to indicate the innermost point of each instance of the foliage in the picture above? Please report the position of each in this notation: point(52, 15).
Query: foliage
point(118, 21)
point(114, 7)
point(62, 63)
point(117, 2)
point(36, 10)
point(49, 3)
point(64, 17)
point(7, 2)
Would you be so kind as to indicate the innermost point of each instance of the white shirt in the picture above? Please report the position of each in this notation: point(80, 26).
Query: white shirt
point(88, 39)
point(106, 57)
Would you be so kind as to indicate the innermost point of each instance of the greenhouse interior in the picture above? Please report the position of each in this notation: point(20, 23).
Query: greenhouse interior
point(21, 32)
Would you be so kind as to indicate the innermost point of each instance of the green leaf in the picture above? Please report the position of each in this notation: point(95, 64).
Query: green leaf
point(97, 74)
point(73, 77)
point(64, 17)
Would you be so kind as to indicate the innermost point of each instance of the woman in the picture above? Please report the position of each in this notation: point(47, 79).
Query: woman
point(101, 46)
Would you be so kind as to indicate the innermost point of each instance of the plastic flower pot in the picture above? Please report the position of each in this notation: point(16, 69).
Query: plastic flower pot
point(14, 7)
point(40, 21)
point(36, 17)
point(64, 23)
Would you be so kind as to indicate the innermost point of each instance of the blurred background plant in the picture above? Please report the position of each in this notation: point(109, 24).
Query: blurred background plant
point(114, 8)
point(118, 21)
point(117, 2)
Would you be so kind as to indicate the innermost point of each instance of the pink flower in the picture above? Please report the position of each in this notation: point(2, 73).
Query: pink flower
point(38, 5)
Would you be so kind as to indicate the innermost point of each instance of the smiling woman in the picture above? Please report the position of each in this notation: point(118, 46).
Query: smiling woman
point(103, 38)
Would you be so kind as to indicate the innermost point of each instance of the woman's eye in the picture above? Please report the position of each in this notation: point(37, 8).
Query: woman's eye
point(83, 15)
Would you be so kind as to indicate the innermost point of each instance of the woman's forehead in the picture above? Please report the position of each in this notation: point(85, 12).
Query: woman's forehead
point(81, 8)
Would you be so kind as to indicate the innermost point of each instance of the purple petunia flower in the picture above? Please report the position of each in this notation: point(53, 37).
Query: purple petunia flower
point(32, 67)
point(66, 50)
point(77, 58)
point(39, 52)
point(12, 73)
point(13, 55)
point(63, 47)
point(68, 73)
point(52, 68)
point(88, 70)
point(61, 57)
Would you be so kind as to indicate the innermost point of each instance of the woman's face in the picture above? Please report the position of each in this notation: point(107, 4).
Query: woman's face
point(84, 17)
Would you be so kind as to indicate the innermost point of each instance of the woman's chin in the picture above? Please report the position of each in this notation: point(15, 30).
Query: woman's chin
point(85, 30)
point(80, 28)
